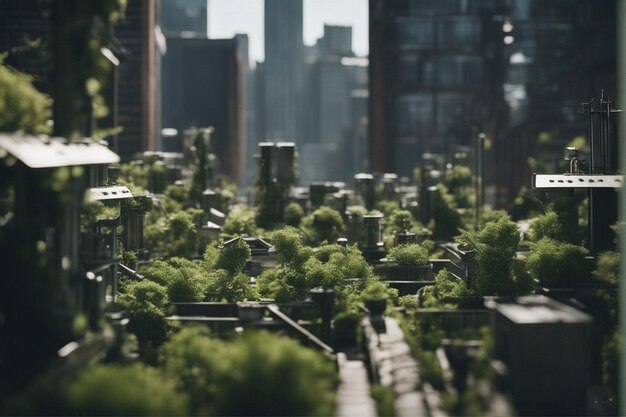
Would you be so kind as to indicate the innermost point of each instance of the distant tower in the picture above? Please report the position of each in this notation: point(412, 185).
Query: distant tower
point(284, 59)
point(184, 16)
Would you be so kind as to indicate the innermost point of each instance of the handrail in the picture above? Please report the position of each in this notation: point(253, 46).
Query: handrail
point(275, 311)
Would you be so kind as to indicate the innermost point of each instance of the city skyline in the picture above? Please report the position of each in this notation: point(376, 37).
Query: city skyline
point(228, 17)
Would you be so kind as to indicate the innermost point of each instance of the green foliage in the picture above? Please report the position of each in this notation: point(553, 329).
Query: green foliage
point(225, 286)
point(135, 390)
point(275, 284)
point(293, 214)
point(375, 290)
point(181, 238)
point(411, 254)
point(550, 225)
point(387, 207)
point(557, 264)
point(446, 291)
point(409, 302)
point(22, 107)
point(147, 303)
point(384, 398)
point(402, 221)
point(495, 245)
point(325, 224)
point(233, 257)
point(290, 248)
point(608, 267)
point(193, 360)
point(255, 374)
point(188, 281)
point(240, 221)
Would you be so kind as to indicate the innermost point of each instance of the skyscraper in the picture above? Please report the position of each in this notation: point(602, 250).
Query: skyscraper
point(284, 59)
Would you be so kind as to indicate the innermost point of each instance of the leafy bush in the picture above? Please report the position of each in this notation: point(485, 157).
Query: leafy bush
point(293, 214)
point(185, 280)
point(233, 257)
point(193, 360)
point(147, 304)
point(325, 224)
point(135, 390)
point(607, 268)
point(412, 254)
point(22, 107)
point(495, 245)
point(240, 221)
point(401, 221)
point(556, 264)
point(447, 290)
point(289, 247)
point(224, 286)
point(550, 225)
point(181, 238)
point(255, 374)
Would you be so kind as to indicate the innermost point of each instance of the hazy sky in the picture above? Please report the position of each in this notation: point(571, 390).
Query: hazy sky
point(227, 17)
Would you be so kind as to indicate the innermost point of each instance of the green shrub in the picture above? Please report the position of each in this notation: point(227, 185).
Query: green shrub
point(293, 214)
point(550, 225)
point(495, 245)
point(325, 224)
point(185, 280)
point(224, 286)
point(189, 283)
point(147, 304)
point(256, 374)
point(409, 255)
point(192, 359)
point(290, 248)
point(384, 398)
point(556, 264)
point(233, 257)
point(607, 268)
point(135, 390)
point(240, 221)
point(181, 238)
point(22, 107)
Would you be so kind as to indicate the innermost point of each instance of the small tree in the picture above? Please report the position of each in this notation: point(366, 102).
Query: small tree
point(557, 264)
point(447, 290)
point(495, 245)
point(233, 257)
point(225, 286)
point(135, 390)
point(147, 303)
point(325, 224)
point(22, 107)
point(240, 221)
point(293, 214)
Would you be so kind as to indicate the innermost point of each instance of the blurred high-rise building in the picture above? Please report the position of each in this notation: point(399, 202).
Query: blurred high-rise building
point(203, 86)
point(132, 93)
point(442, 71)
point(183, 16)
point(335, 81)
point(283, 69)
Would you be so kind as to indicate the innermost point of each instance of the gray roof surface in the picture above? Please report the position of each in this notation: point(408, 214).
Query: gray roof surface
point(45, 152)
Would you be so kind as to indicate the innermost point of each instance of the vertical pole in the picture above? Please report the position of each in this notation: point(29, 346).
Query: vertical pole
point(621, 82)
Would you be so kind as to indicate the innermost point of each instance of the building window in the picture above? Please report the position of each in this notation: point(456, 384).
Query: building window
point(415, 33)
point(458, 32)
